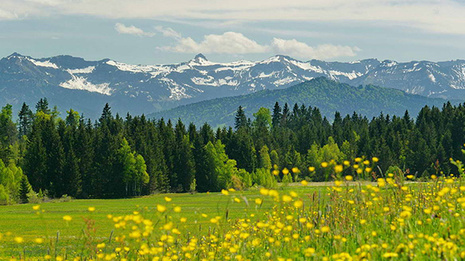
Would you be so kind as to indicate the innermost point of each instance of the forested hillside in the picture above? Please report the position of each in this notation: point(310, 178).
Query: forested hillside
point(329, 96)
point(122, 157)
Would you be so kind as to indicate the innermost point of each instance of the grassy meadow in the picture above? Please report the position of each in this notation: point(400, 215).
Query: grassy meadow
point(345, 220)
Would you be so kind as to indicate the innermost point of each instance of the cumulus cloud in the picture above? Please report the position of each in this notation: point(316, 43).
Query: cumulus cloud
point(229, 42)
point(302, 50)
point(123, 29)
point(168, 32)
point(237, 43)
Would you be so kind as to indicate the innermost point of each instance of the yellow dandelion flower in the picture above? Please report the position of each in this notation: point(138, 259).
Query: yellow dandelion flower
point(19, 240)
point(39, 240)
point(285, 171)
point(287, 198)
point(311, 169)
point(258, 201)
point(36, 207)
point(177, 209)
point(324, 164)
point(349, 178)
point(91, 209)
point(168, 199)
point(161, 208)
point(338, 168)
point(224, 192)
point(298, 204)
point(67, 218)
point(305, 183)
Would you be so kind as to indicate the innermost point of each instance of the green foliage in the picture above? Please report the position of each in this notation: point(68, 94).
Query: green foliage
point(4, 197)
point(263, 177)
point(224, 168)
point(329, 153)
point(10, 181)
point(262, 118)
point(265, 160)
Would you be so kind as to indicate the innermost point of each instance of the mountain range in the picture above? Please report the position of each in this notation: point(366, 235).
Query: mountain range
point(72, 82)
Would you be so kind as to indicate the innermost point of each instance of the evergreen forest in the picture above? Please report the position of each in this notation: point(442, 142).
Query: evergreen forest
point(44, 154)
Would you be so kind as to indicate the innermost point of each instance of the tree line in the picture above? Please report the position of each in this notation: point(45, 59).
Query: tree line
point(116, 157)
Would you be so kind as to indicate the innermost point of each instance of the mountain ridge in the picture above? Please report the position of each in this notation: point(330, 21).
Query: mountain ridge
point(86, 86)
point(327, 95)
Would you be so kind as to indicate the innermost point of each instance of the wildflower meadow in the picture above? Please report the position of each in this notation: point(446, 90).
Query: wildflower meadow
point(395, 217)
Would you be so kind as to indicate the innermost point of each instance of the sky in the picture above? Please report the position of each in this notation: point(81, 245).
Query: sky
point(163, 32)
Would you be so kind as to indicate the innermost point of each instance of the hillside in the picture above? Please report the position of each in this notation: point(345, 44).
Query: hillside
point(329, 96)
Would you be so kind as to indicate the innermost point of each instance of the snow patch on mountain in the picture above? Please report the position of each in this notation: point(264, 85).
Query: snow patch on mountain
point(307, 66)
point(89, 69)
point(132, 68)
point(43, 64)
point(285, 81)
point(431, 77)
point(81, 83)
point(177, 92)
point(352, 75)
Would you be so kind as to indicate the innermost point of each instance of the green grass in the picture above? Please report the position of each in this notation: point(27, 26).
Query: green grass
point(22, 220)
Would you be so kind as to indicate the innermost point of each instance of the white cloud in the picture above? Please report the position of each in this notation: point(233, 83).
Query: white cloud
point(229, 42)
point(5, 15)
point(237, 43)
point(47, 2)
point(123, 29)
point(439, 16)
point(168, 32)
point(301, 50)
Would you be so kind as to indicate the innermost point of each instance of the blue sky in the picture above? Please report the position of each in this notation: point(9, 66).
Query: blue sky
point(154, 32)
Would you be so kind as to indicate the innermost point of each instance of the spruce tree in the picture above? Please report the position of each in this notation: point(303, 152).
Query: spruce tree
point(24, 190)
point(241, 119)
point(25, 118)
point(277, 115)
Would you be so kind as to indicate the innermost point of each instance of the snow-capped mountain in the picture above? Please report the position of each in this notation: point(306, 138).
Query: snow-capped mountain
point(72, 82)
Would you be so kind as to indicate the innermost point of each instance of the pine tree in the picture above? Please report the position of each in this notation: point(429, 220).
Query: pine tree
point(8, 133)
point(24, 190)
point(25, 120)
point(285, 115)
point(184, 164)
point(106, 114)
point(241, 119)
point(277, 115)
point(42, 106)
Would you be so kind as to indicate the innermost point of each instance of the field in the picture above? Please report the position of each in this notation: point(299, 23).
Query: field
point(344, 220)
